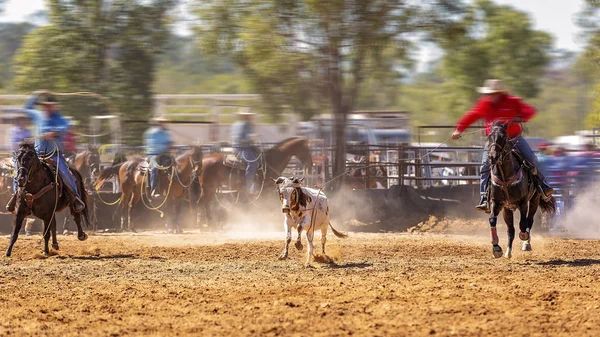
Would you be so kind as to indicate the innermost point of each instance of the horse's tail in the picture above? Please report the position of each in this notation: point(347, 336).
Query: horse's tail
point(108, 173)
point(84, 197)
point(338, 234)
point(548, 206)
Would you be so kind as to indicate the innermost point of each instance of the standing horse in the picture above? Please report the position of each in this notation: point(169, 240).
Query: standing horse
point(215, 173)
point(87, 163)
point(174, 182)
point(40, 194)
point(512, 188)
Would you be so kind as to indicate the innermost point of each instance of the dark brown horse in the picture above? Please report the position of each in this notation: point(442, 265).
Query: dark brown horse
point(174, 182)
point(215, 173)
point(41, 195)
point(512, 188)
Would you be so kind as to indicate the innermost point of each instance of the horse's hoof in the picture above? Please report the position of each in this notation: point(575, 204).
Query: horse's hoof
point(283, 256)
point(497, 251)
point(83, 237)
point(526, 247)
point(66, 232)
point(508, 254)
point(7, 254)
point(524, 236)
point(298, 245)
point(46, 254)
point(55, 246)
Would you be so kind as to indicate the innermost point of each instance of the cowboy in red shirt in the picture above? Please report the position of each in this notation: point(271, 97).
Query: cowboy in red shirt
point(498, 105)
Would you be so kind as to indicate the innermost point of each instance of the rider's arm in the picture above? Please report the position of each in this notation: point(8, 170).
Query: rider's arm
point(527, 111)
point(476, 113)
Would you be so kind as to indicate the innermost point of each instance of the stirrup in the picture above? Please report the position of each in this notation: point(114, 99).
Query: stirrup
point(78, 205)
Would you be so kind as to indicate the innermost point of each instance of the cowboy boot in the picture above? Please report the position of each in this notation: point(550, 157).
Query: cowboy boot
point(483, 206)
point(12, 203)
point(78, 205)
point(546, 190)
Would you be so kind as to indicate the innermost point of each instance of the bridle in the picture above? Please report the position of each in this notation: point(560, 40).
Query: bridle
point(507, 149)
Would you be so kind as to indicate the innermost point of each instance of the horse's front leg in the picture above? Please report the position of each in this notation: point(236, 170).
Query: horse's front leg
point(508, 216)
point(287, 227)
point(53, 231)
point(47, 228)
point(527, 214)
point(177, 208)
point(496, 249)
point(18, 222)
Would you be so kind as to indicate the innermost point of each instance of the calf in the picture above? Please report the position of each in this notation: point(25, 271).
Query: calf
point(303, 208)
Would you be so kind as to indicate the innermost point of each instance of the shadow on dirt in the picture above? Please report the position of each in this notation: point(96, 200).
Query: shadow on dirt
point(102, 257)
point(572, 263)
point(352, 265)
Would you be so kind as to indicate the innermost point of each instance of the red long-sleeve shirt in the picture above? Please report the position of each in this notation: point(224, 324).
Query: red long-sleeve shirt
point(507, 108)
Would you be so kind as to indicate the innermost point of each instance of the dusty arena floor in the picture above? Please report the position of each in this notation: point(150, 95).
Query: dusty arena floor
point(200, 284)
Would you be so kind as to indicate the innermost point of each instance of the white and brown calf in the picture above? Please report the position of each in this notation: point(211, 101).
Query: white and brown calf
point(305, 209)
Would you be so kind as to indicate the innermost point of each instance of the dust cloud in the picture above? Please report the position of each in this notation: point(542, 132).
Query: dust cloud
point(582, 220)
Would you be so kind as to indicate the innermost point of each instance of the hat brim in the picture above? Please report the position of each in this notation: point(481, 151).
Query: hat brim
point(487, 91)
point(246, 113)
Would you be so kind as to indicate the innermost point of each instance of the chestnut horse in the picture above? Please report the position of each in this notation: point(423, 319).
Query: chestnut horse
point(174, 182)
point(87, 163)
point(215, 174)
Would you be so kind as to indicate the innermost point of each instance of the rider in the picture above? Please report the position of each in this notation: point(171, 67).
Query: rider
point(50, 128)
point(243, 146)
point(157, 141)
point(498, 105)
point(16, 136)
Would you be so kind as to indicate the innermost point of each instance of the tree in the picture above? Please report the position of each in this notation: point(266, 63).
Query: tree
point(313, 56)
point(492, 41)
point(588, 65)
point(104, 46)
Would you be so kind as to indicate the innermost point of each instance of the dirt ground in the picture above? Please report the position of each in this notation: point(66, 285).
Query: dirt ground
point(223, 284)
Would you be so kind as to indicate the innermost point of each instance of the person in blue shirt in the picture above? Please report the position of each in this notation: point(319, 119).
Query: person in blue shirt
point(16, 135)
point(51, 127)
point(157, 141)
point(242, 133)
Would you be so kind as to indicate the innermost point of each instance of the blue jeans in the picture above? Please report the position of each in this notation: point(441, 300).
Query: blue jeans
point(153, 173)
point(524, 149)
point(66, 175)
point(247, 156)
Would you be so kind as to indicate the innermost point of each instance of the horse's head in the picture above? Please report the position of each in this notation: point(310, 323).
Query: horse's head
point(197, 157)
point(93, 160)
point(498, 142)
point(28, 162)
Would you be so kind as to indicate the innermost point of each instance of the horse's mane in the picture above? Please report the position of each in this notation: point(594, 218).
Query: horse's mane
point(26, 146)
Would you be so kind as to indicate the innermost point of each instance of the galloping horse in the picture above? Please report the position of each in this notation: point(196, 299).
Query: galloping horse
point(41, 195)
point(215, 173)
point(174, 181)
point(512, 188)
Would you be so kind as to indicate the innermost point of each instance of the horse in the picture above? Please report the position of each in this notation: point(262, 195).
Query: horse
point(87, 163)
point(215, 173)
point(41, 194)
point(512, 188)
point(175, 178)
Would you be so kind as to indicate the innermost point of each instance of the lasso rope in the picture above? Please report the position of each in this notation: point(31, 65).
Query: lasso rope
point(150, 207)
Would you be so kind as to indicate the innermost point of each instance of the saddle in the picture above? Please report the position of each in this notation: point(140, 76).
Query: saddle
point(231, 160)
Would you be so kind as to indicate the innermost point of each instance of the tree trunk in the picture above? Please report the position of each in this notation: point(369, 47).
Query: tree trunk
point(340, 115)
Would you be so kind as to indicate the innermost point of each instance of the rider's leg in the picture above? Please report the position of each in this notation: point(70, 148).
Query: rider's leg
point(252, 166)
point(529, 155)
point(153, 176)
point(485, 180)
point(69, 181)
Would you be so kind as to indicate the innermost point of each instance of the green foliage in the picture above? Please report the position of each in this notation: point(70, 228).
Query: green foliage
point(493, 41)
point(108, 47)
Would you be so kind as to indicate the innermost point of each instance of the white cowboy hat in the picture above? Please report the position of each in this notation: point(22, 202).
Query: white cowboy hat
point(246, 112)
point(491, 86)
